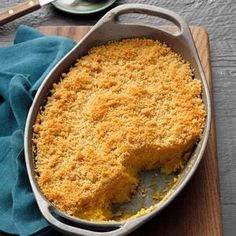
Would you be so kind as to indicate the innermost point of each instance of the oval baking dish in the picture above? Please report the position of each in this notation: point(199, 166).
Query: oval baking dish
point(110, 29)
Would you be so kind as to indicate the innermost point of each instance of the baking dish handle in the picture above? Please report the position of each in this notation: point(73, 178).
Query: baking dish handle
point(184, 31)
point(123, 229)
point(183, 34)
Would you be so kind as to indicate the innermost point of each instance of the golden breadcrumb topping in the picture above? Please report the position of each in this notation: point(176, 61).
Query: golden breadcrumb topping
point(127, 106)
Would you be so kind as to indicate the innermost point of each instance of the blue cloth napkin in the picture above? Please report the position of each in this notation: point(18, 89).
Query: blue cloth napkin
point(23, 67)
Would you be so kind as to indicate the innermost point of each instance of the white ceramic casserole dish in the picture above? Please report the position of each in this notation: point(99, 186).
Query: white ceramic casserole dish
point(107, 29)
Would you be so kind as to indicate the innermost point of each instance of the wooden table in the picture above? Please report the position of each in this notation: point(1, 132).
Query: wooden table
point(219, 19)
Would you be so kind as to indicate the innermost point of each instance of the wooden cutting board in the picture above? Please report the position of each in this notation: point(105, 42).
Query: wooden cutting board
point(197, 210)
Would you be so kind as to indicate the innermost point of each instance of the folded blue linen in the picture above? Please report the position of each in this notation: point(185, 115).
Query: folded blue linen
point(23, 67)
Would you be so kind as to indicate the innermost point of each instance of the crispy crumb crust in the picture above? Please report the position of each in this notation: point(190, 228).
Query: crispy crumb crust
point(126, 106)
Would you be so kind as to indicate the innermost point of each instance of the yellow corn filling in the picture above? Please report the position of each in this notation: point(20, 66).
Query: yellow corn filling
point(126, 106)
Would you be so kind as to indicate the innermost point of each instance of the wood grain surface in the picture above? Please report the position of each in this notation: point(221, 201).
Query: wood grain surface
point(197, 210)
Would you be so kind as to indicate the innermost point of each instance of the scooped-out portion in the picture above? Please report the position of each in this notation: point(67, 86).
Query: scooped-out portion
point(126, 106)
